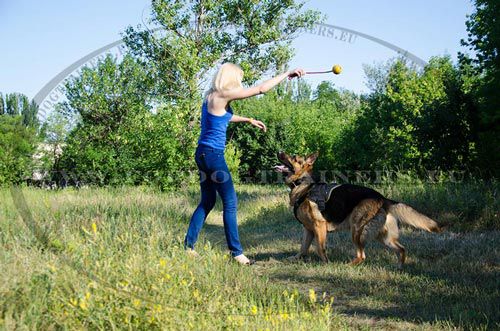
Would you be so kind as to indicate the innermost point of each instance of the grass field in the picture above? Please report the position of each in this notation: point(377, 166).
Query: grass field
point(113, 259)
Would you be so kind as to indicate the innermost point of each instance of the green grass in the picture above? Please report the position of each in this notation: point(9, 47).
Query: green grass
point(114, 260)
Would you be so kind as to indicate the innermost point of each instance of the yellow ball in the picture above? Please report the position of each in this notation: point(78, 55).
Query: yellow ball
point(337, 69)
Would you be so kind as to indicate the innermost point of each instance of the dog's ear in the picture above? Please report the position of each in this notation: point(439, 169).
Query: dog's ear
point(282, 156)
point(312, 158)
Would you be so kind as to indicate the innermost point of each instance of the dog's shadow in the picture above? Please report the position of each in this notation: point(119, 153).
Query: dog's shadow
point(448, 278)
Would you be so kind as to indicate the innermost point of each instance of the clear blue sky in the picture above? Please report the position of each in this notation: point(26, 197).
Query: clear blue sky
point(41, 38)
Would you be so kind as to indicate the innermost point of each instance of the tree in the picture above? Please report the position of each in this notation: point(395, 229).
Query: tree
point(327, 97)
point(189, 38)
point(12, 104)
point(301, 90)
point(30, 112)
point(17, 144)
point(2, 104)
point(484, 39)
point(19, 104)
point(54, 133)
point(418, 120)
point(325, 94)
point(110, 101)
point(197, 35)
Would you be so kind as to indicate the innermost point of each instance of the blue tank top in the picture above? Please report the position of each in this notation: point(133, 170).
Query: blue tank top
point(213, 128)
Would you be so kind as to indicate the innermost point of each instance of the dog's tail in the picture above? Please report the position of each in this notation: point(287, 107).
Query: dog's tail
point(410, 216)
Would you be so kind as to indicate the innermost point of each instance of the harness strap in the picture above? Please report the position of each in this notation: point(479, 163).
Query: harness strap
point(320, 198)
point(329, 194)
point(296, 206)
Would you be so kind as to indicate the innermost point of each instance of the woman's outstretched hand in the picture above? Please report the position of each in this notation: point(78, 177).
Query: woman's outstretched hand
point(258, 124)
point(299, 72)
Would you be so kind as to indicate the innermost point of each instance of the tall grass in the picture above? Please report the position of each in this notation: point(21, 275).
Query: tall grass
point(114, 260)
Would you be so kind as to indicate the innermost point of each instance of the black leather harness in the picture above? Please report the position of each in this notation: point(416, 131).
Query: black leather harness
point(320, 193)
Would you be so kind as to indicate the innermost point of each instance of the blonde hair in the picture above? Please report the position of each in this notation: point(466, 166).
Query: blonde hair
point(228, 77)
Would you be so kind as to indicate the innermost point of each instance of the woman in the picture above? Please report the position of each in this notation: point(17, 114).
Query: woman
point(214, 173)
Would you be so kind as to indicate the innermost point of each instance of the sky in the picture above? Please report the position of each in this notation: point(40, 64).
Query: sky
point(41, 38)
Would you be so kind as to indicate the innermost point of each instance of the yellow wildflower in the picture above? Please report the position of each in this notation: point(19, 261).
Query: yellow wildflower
point(312, 295)
point(326, 309)
point(254, 310)
point(196, 295)
point(83, 305)
point(94, 228)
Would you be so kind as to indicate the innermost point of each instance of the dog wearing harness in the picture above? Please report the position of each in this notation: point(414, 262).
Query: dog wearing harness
point(319, 193)
point(322, 208)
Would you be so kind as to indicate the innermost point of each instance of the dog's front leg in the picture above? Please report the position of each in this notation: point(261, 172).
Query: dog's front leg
point(307, 237)
point(320, 232)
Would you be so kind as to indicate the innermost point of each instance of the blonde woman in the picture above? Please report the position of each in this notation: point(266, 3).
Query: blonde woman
point(216, 114)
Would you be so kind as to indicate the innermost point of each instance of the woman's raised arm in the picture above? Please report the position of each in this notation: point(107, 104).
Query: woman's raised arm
point(242, 93)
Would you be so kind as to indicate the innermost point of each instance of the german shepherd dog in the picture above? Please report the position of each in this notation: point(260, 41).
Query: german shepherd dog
point(363, 211)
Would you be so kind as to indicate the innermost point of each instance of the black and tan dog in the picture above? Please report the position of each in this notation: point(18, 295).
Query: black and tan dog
point(322, 208)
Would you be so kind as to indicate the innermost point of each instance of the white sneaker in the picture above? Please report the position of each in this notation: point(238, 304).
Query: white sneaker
point(242, 259)
point(191, 252)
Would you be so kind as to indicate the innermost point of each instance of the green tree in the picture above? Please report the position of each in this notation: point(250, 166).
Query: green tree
point(2, 104)
point(30, 112)
point(299, 89)
point(327, 97)
point(197, 35)
point(417, 120)
point(189, 38)
point(122, 136)
point(53, 134)
point(298, 126)
point(19, 104)
point(484, 39)
point(12, 104)
point(108, 100)
point(17, 144)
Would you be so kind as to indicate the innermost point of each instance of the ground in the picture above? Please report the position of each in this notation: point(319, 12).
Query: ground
point(109, 258)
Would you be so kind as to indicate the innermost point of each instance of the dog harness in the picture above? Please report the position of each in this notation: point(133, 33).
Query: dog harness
point(320, 193)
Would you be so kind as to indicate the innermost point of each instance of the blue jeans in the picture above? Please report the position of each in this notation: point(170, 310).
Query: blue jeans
point(215, 177)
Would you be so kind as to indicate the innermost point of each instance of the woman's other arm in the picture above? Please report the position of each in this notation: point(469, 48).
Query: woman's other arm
point(256, 123)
